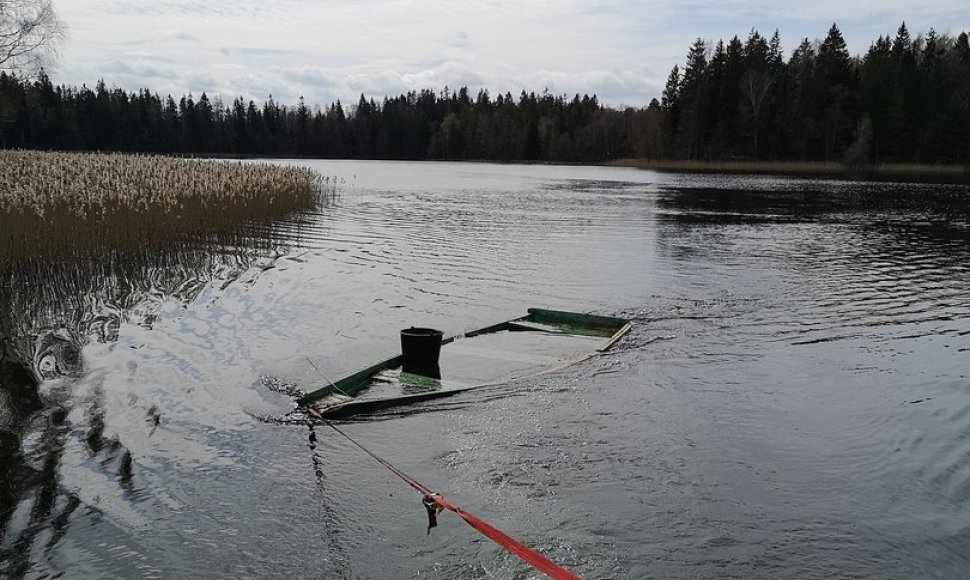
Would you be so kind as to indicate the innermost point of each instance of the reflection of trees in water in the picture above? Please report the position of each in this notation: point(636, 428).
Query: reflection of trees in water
point(907, 214)
point(48, 312)
point(829, 261)
point(740, 201)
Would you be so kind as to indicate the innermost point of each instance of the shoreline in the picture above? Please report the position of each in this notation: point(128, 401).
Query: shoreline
point(897, 172)
point(900, 172)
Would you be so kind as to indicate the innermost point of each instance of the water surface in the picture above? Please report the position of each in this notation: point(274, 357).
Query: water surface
point(793, 401)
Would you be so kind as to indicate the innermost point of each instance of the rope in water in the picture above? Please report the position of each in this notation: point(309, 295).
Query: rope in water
point(434, 502)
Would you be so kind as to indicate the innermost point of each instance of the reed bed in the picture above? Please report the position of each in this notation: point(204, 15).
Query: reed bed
point(901, 171)
point(71, 204)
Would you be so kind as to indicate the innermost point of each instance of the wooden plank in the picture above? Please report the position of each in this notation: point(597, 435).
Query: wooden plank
point(573, 330)
point(370, 405)
point(352, 383)
point(486, 330)
point(574, 319)
point(616, 337)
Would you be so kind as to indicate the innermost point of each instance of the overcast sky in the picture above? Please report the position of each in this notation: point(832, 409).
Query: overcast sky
point(621, 50)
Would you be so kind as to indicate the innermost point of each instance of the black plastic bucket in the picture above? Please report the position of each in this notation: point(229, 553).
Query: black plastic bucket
point(421, 348)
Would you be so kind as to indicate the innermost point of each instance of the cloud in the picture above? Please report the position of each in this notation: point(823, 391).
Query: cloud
point(118, 67)
point(309, 76)
point(137, 69)
point(264, 53)
point(460, 39)
point(325, 50)
point(202, 83)
point(203, 8)
point(391, 82)
point(182, 36)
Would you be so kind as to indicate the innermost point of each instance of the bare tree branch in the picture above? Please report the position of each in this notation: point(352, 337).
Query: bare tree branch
point(29, 34)
point(755, 85)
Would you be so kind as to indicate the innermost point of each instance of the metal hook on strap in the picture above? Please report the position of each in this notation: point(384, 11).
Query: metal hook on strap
point(430, 502)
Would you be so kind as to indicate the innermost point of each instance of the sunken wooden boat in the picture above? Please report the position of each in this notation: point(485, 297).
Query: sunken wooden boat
point(539, 342)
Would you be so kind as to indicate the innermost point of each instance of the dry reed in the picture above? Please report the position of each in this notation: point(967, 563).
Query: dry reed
point(70, 204)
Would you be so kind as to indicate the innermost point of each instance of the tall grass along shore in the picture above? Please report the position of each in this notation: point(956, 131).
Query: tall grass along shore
point(69, 204)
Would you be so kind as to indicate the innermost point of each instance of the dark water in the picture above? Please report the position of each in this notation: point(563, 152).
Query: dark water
point(793, 402)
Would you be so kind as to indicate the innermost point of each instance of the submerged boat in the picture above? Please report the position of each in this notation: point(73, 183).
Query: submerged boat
point(539, 342)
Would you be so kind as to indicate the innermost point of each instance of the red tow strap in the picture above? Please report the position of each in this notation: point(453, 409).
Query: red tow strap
point(527, 554)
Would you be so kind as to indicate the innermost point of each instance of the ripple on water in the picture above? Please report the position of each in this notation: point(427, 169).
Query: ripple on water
point(791, 402)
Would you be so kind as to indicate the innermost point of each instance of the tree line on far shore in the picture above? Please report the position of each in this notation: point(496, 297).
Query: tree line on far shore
point(906, 100)
point(418, 125)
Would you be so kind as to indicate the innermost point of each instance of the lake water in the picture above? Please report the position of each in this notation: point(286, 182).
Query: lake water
point(793, 401)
